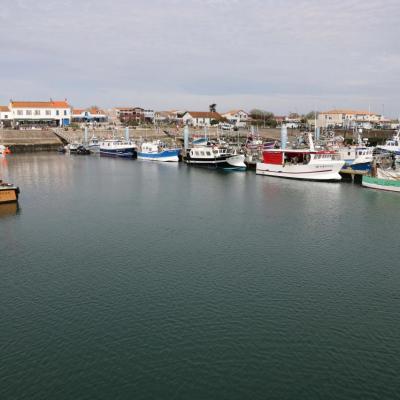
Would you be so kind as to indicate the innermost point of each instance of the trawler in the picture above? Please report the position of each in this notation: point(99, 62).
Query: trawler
point(214, 155)
point(308, 163)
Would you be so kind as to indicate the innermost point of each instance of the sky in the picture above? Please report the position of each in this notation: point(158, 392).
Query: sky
point(281, 56)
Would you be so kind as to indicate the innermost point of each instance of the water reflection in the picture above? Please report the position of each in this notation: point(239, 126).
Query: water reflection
point(9, 209)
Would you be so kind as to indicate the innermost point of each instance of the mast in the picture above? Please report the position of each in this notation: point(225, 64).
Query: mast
point(310, 139)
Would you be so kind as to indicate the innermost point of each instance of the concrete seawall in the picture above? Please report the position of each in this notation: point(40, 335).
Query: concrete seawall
point(29, 140)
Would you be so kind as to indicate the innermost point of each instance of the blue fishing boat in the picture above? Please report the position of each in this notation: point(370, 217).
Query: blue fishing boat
point(118, 148)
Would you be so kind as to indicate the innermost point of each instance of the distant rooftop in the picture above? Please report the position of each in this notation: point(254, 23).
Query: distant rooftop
point(205, 114)
point(347, 111)
point(39, 104)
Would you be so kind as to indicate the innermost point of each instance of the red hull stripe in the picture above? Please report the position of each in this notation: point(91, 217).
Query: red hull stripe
point(294, 173)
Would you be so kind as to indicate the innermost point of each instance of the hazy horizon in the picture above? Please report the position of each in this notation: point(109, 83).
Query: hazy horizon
point(295, 56)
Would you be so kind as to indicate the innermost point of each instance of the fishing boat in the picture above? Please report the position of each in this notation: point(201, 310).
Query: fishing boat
point(4, 150)
point(72, 147)
point(156, 151)
point(214, 156)
point(392, 145)
point(385, 175)
point(93, 145)
point(118, 148)
point(383, 180)
point(357, 158)
point(307, 163)
point(8, 193)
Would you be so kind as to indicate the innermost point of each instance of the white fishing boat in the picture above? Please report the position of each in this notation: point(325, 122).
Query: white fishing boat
point(93, 145)
point(214, 156)
point(72, 147)
point(157, 151)
point(118, 148)
point(308, 164)
point(392, 145)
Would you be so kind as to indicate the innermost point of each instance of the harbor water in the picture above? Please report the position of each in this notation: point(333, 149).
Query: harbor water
point(126, 279)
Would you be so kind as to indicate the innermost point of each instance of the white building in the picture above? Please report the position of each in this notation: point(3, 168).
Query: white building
point(5, 116)
point(348, 119)
point(40, 113)
point(149, 115)
point(237, 118)
point(93, 114)
point(200, 118)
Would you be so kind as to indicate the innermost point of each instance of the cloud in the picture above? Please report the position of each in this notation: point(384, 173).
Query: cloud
point(281, 55)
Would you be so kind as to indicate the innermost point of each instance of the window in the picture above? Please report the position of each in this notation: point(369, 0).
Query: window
point(48, 112)
point(202, 153)
point(19, 112)
point(57, 112)
point(208, 153)
point(6, 116)
point(37, 112)
point(65, 112)
point(28, 112)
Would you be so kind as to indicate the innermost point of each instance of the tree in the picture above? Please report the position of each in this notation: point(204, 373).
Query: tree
point(213, 107)
point(263, 118)
point(310, 115)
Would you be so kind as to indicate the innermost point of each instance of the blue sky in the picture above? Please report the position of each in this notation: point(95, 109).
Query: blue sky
point(276, 55)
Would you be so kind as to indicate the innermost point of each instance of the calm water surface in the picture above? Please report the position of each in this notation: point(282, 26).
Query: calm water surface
point(131, 280)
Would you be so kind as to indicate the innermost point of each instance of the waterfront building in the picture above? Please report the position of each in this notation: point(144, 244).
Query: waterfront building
point(29, 114)
point(92, 114)
point(5, 116)
point(134, 114)
point(343, 118)
point(279, 119)
point(201, 118)
point(173, 116)
point(238, 118)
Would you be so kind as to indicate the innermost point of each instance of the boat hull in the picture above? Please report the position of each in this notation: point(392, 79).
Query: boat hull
point(122, 153)
point(170, 155)
point(9, 194)
point(326, 172)
point(381, 184)
point(94, 149)
point(226, 163)
point(365, 166)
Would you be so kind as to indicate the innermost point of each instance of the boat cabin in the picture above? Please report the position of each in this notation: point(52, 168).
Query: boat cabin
point(208, 151)
point(280, 157)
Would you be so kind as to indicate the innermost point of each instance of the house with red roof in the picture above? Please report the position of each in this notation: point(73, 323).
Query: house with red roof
point(40, 113)
point(238, 118)
point(201, 118)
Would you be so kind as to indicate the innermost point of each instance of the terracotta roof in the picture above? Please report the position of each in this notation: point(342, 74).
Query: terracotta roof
point(77, 111)
point(204, 114)
point(4, 108)
point(235, 112)
point(96, 111)
point(39, 104)
point(346, 111)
